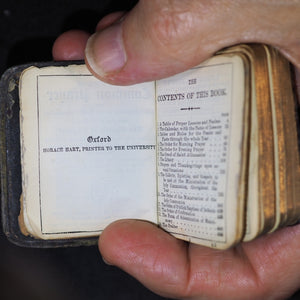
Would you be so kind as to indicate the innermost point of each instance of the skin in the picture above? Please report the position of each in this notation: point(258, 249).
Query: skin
point(161, 38)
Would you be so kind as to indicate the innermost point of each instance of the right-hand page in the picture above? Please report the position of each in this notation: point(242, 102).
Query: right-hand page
point(201, 151)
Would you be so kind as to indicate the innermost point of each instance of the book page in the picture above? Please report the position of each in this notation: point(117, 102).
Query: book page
point(200, 130)
point(88, 152)
point(261, 207)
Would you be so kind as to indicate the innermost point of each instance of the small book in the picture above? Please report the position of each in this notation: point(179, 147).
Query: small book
point(210, 155)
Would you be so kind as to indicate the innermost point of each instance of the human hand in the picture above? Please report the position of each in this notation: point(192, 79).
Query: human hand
point(159, 38)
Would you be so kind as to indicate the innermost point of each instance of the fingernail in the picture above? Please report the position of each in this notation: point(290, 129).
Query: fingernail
point(105, 51)
point(106, 262)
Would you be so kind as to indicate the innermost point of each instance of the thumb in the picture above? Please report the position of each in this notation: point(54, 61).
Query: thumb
point(159, 38)
point(156, 39)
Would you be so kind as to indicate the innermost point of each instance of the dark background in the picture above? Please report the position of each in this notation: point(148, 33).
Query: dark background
point(27, 32)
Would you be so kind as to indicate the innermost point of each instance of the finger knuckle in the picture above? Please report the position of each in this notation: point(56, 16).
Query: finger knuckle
point(172, 24)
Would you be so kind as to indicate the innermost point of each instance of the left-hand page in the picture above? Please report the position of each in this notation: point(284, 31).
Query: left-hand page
point(88, 152)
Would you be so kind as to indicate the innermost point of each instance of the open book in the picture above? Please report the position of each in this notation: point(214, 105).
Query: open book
point(210, 155)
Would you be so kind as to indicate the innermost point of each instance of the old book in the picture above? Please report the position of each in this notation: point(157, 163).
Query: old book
point(209, 155)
